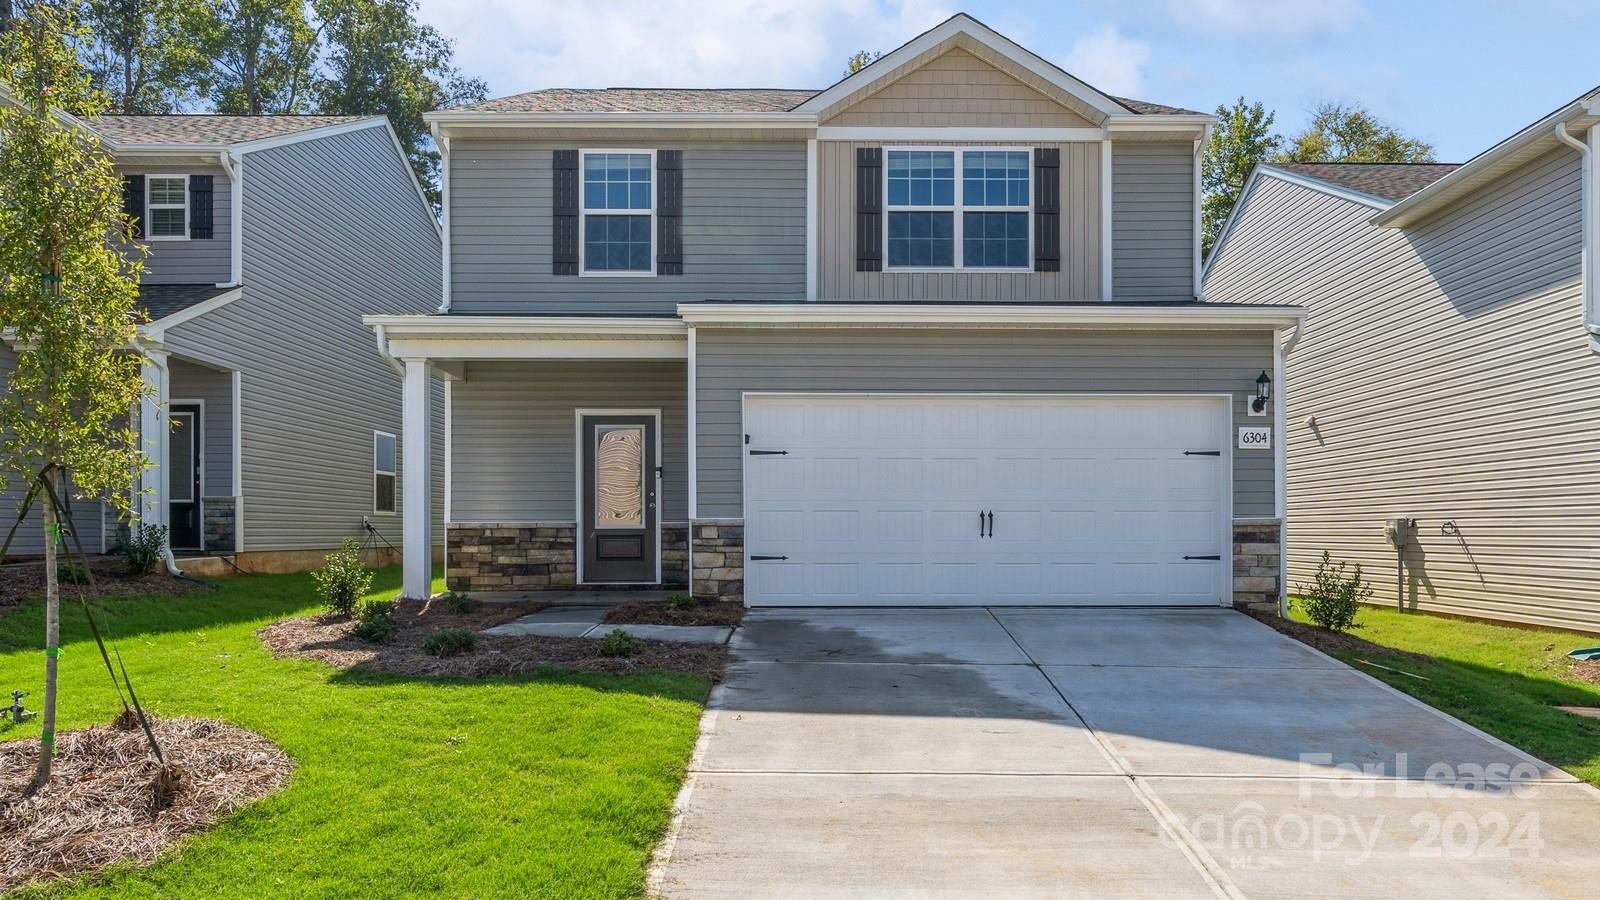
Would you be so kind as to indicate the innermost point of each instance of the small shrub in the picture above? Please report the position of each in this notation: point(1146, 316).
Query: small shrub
point(1334, 596)
point(144, 548)
point(343, 579)
point(682, 601)
point(450, 642)
point(373, 623)
point(618, 643)
point(456, 602)
point(69, 572)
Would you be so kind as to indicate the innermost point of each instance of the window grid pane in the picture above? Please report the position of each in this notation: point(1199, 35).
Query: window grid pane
point(922, 178)
point(616, 243)
point(167, 222)
point(994, 240)
point(616, 181)
point(922, 239)
point(166, 190)
point(994, 178)
point(383, 453)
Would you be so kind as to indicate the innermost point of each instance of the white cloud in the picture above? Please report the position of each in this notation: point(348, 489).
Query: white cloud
point(518, 46)
point(1284, 19)
point(1109, 61)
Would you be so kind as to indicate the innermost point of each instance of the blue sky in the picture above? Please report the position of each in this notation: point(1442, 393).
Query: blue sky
point(1460, 74)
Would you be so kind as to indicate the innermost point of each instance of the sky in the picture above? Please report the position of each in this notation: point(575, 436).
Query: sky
point(1461, 75)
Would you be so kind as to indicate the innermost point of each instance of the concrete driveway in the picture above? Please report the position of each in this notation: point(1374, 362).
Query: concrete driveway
point(1048, 753)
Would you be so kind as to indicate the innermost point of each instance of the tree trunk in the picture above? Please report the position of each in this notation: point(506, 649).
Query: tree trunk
point(52, 636)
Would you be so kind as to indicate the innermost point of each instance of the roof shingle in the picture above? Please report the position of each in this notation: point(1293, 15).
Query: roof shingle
point(160, 300)
point(694, 100)
point(1386, 181)
point(208, 129)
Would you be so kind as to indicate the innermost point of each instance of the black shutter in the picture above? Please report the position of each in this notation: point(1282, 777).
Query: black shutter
point(200, 207)
point(133, 202)
point(564, 237)
point(669, 212)
point(1047, 209)
point(869, 209)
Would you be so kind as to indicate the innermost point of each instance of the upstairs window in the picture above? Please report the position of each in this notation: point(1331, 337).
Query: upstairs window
point(167, 207)
point(385, 473)
point(984, 222)
point(618, 212)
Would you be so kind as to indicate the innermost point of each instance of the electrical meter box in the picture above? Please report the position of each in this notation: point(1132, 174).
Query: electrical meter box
point(1398, 532)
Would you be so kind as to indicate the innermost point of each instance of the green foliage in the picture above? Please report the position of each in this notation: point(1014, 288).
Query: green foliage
point(1334, 596)
point(137, 53)
point(143, 548)
point(682, 601)
point(71, 572)
point(456, 602)
point(1347, 132)
point(343, 579)
point(374, 622)
point(450, 642)
point(1241, 139)
point(618, 643)
point(860, 60)
point(258, 54)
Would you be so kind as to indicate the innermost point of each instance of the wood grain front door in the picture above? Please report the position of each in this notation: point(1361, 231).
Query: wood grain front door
point(619, 511)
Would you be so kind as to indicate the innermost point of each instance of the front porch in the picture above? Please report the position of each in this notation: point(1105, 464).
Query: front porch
point(190, 428)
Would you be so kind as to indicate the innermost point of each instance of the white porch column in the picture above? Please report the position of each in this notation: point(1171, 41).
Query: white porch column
point(153, 439)
point(417, 496)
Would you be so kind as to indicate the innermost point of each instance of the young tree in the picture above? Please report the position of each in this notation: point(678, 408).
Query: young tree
point(1242, 138)
point(1347, 132)
point(137, 54)
point(860, 60)
point(67, 298)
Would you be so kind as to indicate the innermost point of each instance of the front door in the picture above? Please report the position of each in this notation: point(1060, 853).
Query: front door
point(618, 515)
point(183, 485)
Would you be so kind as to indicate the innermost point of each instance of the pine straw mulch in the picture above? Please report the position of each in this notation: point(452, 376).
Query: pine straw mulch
point(25, 581)
point(659, 612)
point(327, 638)
point(1335, 641)
point(100, 805)
point(1586, 670)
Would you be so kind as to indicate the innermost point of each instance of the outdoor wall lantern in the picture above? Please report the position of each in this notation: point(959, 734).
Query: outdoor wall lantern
point(1263, 392)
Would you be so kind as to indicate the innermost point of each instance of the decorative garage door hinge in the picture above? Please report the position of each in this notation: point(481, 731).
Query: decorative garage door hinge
point(1213, 556)
point(756, 558)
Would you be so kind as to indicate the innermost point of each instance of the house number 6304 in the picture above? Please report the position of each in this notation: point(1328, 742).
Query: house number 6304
point(1255, 438)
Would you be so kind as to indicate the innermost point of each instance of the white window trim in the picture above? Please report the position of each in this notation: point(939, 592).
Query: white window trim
point(584, 213)
point(149, 220)
point(377, 471)
point(956, 211)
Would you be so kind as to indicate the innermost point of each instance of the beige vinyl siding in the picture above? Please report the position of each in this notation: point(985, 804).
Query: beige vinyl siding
point(744, 226)
point(1079, 278)
point(29, 539)
point(193, 261)
point(1450, 377)
point(215, 390)
point(1152, 220)
point(957, 89)
point(513, 448)
point(732, 361)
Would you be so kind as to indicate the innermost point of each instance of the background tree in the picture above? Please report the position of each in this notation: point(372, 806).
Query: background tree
point(259, 54)
point(1347, 132)
point(1242, 138)
point(860, 60)
point(67, 295)
point(138, 55)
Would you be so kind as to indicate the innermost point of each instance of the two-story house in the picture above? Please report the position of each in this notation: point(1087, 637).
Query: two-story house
point(928, 336)
point(272, 424)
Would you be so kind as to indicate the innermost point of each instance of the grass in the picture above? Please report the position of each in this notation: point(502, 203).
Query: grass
point(1505, 680)
point(555, 785)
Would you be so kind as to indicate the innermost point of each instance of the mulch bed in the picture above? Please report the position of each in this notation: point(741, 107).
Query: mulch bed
point(658, 612)
point(1586, 670)
point(328, 639)
point(99, 807)
point(1334, 641)
point(25, 581)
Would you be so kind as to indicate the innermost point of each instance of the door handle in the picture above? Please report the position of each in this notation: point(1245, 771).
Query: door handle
point(991, 523)
point(980, 523)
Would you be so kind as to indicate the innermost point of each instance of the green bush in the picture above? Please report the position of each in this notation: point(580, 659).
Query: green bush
point(618, 643)
point(144, 548)
point(450, 642)
point(69, 572)
point(456, 602)
point(373, 621)
point(1334, 596)
point(682, 601)
point(343, 579)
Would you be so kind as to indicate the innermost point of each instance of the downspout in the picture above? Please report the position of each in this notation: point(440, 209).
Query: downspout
point(1590, 254)
point(382, 337)
point(1199, 156)
point(443, 143)
point(233, 166)
point(1280, 406)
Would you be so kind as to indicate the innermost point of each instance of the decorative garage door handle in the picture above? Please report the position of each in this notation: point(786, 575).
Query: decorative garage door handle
point(755, 558)
point(769, 453)
point(1202, 453)
point(991, 523)
point(1213, 556)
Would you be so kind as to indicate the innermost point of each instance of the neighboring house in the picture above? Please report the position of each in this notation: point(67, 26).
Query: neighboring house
point(928, 336)
point(1447, 369)
point(272, 425)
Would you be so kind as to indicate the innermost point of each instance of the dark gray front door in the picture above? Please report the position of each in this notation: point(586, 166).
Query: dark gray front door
point(183, 484)
point(618, 518)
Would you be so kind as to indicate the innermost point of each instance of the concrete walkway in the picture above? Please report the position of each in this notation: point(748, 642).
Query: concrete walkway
point(584, 621)
point(1105, 753)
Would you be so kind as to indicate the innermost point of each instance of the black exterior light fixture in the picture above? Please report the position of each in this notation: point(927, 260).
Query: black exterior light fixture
point(1263, 392)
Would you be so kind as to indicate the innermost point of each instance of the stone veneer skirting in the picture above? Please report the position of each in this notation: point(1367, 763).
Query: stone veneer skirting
point(218, 525)
point(719, 559)
point(538, 556)
point(1257, 563)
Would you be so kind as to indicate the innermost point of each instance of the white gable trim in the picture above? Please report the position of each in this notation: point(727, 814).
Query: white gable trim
point(948, 133)
point(961, 23)
point(1298, 180)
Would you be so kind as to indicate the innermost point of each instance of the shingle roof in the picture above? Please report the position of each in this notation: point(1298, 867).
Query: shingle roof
point(206, 129)
point(695, 100)
point(158, 300)
point(1386, 181)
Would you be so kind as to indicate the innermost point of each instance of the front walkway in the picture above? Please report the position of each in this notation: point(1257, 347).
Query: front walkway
point(881, 753)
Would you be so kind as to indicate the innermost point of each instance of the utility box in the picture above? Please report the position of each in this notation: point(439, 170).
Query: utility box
point(1399, 531)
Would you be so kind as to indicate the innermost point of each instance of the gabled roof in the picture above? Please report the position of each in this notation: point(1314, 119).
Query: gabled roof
point(207, 129)
point(619, 99)
point(1385, 181)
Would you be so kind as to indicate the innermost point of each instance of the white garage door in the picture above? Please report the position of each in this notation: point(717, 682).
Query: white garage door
point(954, 499)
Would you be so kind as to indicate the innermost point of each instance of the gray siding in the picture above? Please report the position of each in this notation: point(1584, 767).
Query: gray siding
point(731, 361)
point(333, 228)
point(29, 540)
point(215, 388)
point(193, 261)
point(743, 229)
point(1152, 220)
point(957, 89)
point(1450, 377)
point(513, 448)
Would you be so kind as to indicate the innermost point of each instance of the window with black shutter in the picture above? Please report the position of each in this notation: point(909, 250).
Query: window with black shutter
point(669, 212)
point(200, 216)
point(869, 209)
point(1047, 209)
point(133, 202)
point(564, 234)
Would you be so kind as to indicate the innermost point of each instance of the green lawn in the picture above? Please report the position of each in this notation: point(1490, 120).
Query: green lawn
point(1507, 681)
point(550, 786)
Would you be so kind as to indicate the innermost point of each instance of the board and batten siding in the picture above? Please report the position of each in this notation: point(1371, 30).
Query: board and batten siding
point(333, 229)
point(1079, 278)
point(731, 361)
point(194, 261)
point(215, 389)
point(744, 225)
point(1152, 220)
point(513, 427)
point(1448, 371)
point(957, 89)
point(89, 515)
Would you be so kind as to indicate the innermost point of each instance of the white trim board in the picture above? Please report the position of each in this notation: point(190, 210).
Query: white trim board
point(948, 133)
point(157, 330)
point(577, 496)
point(994, 315)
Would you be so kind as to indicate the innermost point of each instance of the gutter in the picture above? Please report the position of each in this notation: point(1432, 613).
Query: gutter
point(382, 336)
point(1590, 255)
point(233, 166)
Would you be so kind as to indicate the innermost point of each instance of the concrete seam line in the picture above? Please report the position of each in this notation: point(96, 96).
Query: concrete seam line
point(680, 805)
point(1202, 861)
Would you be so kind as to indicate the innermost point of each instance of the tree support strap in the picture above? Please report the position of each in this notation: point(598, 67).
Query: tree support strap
point(52, 652)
